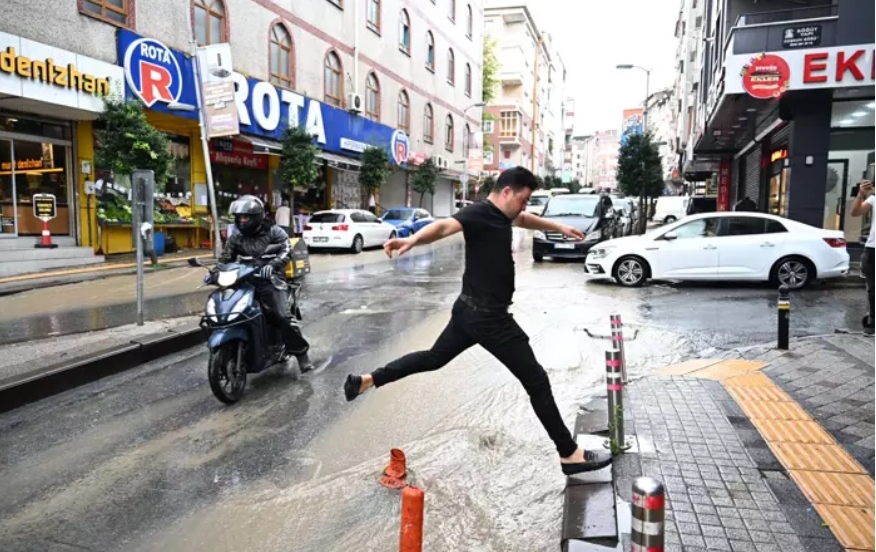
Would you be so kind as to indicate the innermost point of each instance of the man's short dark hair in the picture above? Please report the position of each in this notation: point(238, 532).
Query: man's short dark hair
point(517, 179)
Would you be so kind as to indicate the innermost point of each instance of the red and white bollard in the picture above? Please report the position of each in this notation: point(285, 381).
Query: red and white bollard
point(617, 341)
point(648, 514)
point(46, 240)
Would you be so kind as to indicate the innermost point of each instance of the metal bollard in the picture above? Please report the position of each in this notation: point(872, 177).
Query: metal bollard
point(615, 386)
point(784, 312)
point(617, 340)
point(647, 505)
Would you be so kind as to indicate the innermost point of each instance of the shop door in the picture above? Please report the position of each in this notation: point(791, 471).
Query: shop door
point(836, 194)
point(8, 198)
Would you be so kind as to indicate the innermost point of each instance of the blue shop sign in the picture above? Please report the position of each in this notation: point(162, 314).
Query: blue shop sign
point(162, 79)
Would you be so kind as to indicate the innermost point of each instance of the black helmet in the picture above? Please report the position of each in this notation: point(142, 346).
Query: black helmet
point(252, 207)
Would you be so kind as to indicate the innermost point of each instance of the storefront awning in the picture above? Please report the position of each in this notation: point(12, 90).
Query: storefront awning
point(264, 147)
point(339, 160)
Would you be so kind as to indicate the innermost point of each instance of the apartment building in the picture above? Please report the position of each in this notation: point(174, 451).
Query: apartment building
point(688, 61)
point(785, 107)
point(662, 123)
point(386, 73)
point(603, 169)
point(525, 121)
point(582, 156)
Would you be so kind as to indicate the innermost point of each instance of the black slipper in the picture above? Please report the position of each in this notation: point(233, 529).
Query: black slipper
point(592, 461)
point(352, 386)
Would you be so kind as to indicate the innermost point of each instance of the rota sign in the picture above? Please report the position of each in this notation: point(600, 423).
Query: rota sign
point(153, 72)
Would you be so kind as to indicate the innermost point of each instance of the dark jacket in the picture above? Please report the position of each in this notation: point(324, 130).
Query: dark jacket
point(254, 246)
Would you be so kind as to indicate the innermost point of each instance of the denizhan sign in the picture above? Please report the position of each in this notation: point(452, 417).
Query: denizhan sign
point(162, 79)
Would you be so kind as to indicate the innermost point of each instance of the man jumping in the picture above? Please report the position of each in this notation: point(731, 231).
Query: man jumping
point(480, 316)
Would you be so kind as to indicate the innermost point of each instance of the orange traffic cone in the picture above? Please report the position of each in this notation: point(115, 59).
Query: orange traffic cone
point(411, 529)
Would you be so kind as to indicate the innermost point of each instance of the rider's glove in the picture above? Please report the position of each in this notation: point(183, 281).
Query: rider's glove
point(266, 272)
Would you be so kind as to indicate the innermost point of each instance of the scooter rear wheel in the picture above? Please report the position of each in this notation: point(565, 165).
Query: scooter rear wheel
point(227, 378)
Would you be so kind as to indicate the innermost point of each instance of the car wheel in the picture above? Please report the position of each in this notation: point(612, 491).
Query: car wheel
point(630, 271)
point(358, 244)
point(537, 257)
point(669, 220)
point(794, 272)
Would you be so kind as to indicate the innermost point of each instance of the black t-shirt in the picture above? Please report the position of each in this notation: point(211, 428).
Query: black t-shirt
point(489, 266)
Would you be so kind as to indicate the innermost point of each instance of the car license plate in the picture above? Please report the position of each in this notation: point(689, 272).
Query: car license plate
point(320, 240)
point(564, 246)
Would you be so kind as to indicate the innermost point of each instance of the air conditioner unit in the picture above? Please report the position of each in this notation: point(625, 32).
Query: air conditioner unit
point(440, 162)
point(354, 103)
point(446, 163)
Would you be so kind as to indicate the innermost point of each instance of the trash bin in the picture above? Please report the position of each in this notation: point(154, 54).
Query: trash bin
point(158, 243)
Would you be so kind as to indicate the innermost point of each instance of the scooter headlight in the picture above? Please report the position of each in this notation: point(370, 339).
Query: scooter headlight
point(211, 310)
point(227, 278)
point(240, 306)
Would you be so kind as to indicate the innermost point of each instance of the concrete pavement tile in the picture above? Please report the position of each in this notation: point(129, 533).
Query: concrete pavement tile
point(704, 509)
point(761, 536)
point(737, 533)
point(811, 544)
point(688, 528)
point(742, 546)
point(757, 524)
point(732, 523)
point(685, 517)
point(767, 547)
point(708, 520)
point(717, 543)
point(689, 539)
point(713, 531)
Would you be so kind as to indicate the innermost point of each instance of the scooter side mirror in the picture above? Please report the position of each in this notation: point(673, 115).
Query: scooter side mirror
point(194, 262)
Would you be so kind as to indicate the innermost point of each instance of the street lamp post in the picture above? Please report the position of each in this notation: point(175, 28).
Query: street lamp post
point(466, 146)
point(647, 90)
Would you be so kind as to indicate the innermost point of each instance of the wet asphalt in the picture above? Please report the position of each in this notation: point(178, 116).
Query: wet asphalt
point(149, 460)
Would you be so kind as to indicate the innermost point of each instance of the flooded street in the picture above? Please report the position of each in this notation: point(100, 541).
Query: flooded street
point(149, 460)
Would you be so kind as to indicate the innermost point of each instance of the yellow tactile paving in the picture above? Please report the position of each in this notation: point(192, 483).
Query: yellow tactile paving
point(807, 456)
point(838, 489)
point(853, 527)
point(686, 367)
point(759, 394)
point(793, 431)
point(834, 482)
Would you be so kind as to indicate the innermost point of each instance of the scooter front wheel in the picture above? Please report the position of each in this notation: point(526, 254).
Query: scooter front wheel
point(227, 371)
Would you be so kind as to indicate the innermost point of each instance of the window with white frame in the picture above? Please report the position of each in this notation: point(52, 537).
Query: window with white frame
point(488, 126)
point(509, 124)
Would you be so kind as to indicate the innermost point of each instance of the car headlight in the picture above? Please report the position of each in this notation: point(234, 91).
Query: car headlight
point(538, 234)
point(593, 236)
point(239, 307)
point(211, 310)
point(599, 253)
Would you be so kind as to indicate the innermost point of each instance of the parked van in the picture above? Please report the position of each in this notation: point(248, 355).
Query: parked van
point(670, 208)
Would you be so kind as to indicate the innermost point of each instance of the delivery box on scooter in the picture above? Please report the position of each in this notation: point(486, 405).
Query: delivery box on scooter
point(299, 266)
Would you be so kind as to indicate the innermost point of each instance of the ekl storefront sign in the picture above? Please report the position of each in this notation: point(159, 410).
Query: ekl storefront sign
point(805, 69)
point(162, 79)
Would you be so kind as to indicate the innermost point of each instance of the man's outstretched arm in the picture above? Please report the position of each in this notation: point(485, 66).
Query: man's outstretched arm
point(431, 233)
point(534, 222)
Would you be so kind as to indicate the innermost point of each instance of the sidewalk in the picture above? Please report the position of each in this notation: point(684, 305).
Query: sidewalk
point(762, 450)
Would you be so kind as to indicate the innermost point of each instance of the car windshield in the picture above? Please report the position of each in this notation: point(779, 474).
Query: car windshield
point(398, 214)
point(572, 206)
point(327, 217)
point(538, 200)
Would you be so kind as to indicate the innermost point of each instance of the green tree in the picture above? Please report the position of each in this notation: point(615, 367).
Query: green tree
point(424, 178)
point(129, 143)
point(487, 186)
point(298, 161)
point(490, 70)
point(639, 172)
point(574, 186)
point(374, 170)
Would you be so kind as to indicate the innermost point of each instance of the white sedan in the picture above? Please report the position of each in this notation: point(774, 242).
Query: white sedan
point(730, 246)
point(352, 229)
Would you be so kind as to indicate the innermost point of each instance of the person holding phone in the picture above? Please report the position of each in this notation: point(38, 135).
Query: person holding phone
point(863, 204)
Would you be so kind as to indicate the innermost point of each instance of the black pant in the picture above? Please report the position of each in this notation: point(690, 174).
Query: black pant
point(498, 333)
point(276, 311)
point(867, 269)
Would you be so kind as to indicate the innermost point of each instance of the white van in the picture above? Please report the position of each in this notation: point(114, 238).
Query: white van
point(670, 208)
point(538, 201)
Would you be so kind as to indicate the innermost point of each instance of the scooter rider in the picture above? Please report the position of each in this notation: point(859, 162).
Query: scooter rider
point(254, 234)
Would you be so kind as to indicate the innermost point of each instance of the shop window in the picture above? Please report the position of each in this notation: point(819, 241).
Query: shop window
point(430, 51)
point(428, 124)
point(373, 15)
point(334, 86)
point(28, 168)
point(404, 32)
point(210, 22)
point(404, 112)
point(448, 133)
point(282, 57)
point(468, 80)
point(372, 97)
point(469, 22)
point(451, 67)
point(111, 11)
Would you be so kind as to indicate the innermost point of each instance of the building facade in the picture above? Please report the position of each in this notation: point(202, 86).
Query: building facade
point(662, 122)
point(525, 120)
point(688, 61)
point(582, 156)
point(603, 171)
point(353, 72)
point(786, 107)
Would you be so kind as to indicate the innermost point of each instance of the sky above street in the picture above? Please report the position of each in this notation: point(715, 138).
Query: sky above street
point(594, 37)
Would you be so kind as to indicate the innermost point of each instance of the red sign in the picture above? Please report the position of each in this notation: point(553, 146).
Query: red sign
point(724, 185)
point(766, 76)
point(241, 156)
point(852, 66)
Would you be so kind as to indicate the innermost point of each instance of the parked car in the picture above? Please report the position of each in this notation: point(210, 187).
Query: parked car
point(352, 229)
point(537, 201)
point(670, 208)
point(727, 246)
point(592, 214)
point(407, 220)
point(626, 211)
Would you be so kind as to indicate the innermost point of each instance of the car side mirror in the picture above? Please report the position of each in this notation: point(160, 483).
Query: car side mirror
point(669, 236)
